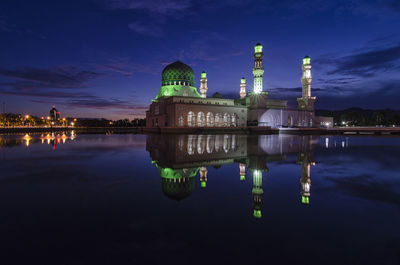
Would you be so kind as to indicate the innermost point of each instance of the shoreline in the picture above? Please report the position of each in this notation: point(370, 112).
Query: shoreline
point(202, 130)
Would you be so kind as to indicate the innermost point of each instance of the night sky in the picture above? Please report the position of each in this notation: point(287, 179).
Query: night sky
point(104, 58)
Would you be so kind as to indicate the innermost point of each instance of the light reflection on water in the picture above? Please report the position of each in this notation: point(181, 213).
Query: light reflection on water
point(219, 198)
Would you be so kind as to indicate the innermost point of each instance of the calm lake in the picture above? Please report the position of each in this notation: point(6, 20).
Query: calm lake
point(199, 199)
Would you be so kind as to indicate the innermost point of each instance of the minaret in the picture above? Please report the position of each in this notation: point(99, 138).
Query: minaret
point(306, 102)
point(203, 84)
point(257, 193)
point(242, 88)
point(242, 169)
point(203, 177)
point(258, 69)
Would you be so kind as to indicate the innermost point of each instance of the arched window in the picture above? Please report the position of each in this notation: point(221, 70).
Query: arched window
point(181, 122)
point(200, 144)
point(290, 121)
point(201, 119)
point(217, 142)
point(210, 119)
point(181, 142)
point(234, 119)
point(210, 143)
point(218, 120)
point(191, 119)
point(227, 120)
point(233, 142)
point(226, 144)
point(191, 144)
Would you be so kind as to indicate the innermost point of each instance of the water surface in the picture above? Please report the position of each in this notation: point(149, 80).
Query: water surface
point(199, 199)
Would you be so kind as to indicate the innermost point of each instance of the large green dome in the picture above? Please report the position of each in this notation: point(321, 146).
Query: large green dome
point(177, 80)
point(177, 72)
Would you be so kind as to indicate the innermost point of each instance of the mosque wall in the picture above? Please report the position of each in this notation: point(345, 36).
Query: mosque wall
point(212, 113)
point(286, 118)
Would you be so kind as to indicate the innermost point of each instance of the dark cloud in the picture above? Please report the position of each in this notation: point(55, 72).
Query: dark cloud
point(122, 65)
point(113, 105)
point(338, 81)
point(366, 64)
point(56, 77)
point(161, 7)
point(148, 28)
point(373, 7)
point(40, 93)
point(211, 46)
point(101, 103)
point(4, 26)
point(384, 94)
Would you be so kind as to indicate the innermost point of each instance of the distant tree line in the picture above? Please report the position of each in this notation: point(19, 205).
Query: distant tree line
point(363, 117)
point(13, 120)
point(110, 123)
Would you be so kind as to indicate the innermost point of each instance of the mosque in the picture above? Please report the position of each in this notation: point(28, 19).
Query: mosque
point(179, 104)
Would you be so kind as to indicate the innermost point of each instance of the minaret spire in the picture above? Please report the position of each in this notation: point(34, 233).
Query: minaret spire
point(258, 69)
point(203, 84)
point(306, 102)
point(242, 88)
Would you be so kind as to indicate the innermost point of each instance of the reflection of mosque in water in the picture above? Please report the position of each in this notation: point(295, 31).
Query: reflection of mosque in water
point(180, 158)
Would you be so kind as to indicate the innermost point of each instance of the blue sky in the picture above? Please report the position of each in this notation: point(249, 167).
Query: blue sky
point(103, 58)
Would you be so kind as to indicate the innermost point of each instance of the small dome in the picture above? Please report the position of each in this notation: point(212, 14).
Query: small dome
point(216, 95)
point(258, 44)
point(306, 56)
point(177, 72)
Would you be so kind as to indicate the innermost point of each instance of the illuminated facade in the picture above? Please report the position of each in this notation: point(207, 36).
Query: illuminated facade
point(258, 69)
point(178, 104)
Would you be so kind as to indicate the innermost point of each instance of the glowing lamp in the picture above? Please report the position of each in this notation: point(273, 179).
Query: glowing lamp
point(257, 214)
point(203, 184)
point(305, 200)
point(258, 48)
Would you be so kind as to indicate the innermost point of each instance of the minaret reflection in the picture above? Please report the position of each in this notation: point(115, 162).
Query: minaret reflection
point(203, 177)
point(179, 158)
point(257, 192)
point(258, 165)
point(242, 170)
point(306, 162)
